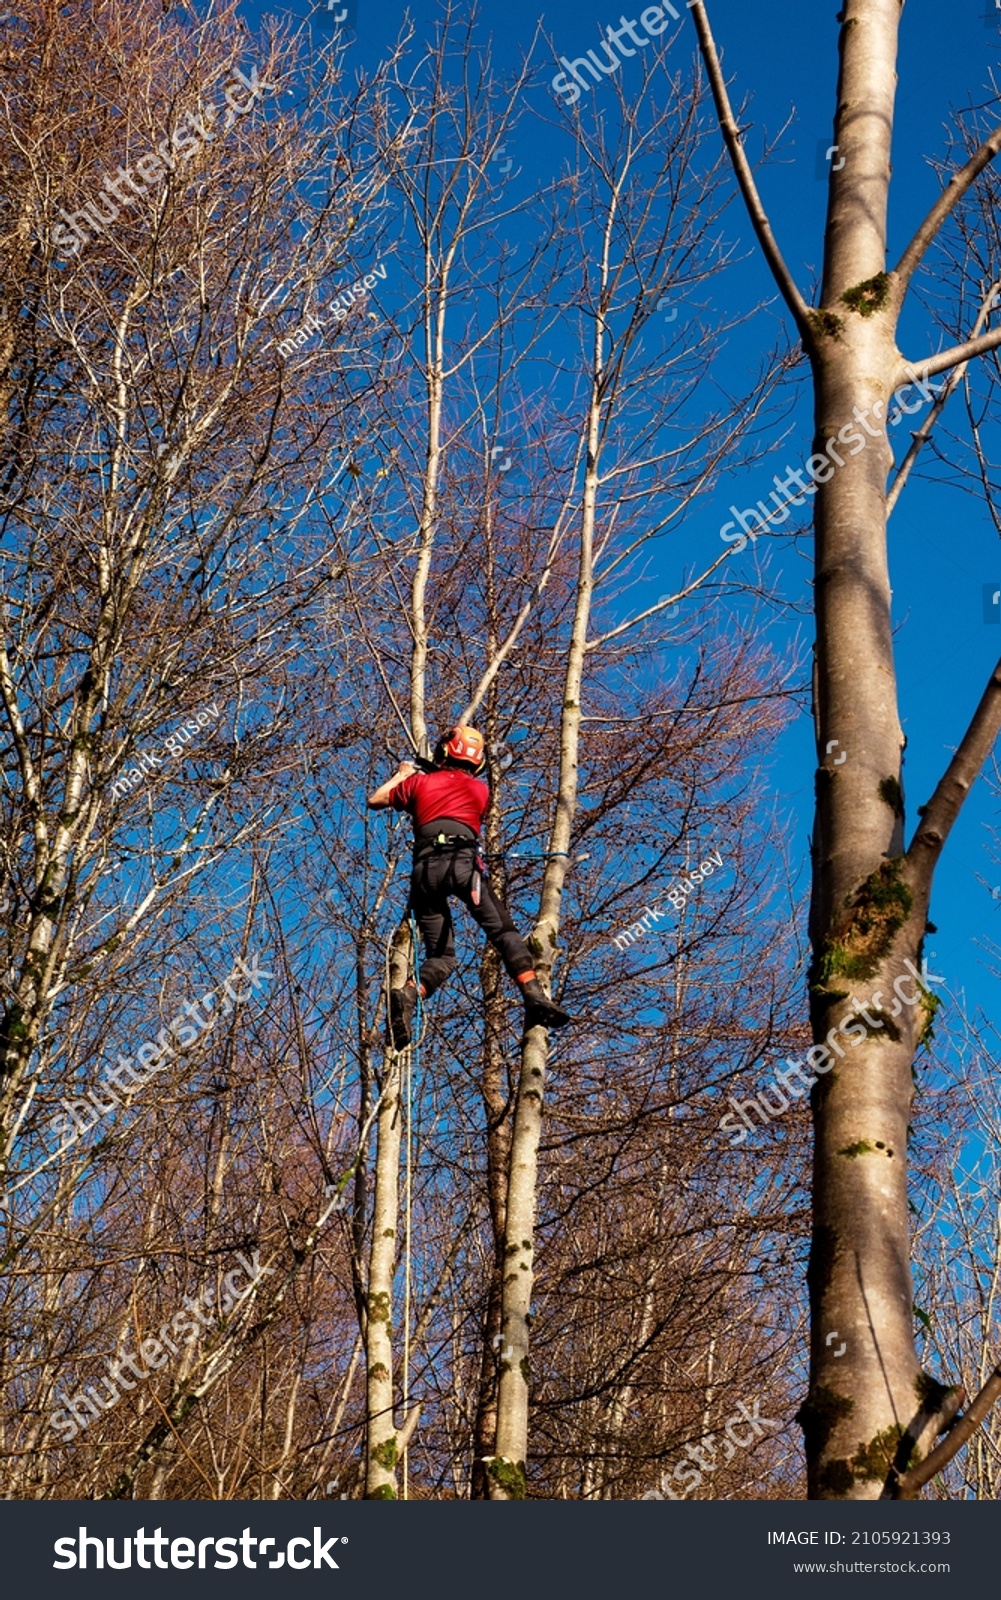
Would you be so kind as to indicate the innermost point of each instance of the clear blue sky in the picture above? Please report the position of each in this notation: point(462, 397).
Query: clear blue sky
point(943, 548)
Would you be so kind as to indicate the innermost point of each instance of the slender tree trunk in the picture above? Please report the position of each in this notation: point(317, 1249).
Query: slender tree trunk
point(436, 305)
point(495, 1099)
point(382, 1442)
point(496, 1092)
point(508, 1474)
point(383, 1439)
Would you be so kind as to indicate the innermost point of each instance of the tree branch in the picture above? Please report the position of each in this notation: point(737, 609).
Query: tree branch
point(930, 365)
point(597, 642)
point(505, 649)
point(745, 178)
point(409, 1427)
point(954, 191)
point(921, 435)
point(956, 782)
point(908, 1484)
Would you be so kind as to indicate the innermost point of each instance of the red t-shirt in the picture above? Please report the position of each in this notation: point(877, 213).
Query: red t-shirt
point(430, 795)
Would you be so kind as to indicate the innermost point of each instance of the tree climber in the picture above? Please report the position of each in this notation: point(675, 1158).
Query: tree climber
point(448, 804)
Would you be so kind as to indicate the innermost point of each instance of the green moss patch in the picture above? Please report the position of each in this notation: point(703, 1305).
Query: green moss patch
point(387, 1454)
point(929, 1005)
point(891, 1450)
point(863, 1148)
point(509, 1476)
point(878, 911)
point(825, 324)
point(869, 296)
point(378, 1307)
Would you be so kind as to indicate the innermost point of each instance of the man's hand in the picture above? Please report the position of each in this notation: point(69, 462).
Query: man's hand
point(383, 795)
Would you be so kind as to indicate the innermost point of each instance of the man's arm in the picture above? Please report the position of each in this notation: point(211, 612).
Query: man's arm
point(381, 797)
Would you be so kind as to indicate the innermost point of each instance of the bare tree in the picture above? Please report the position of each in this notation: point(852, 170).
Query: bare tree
point(871, 1417)
point(161, 559)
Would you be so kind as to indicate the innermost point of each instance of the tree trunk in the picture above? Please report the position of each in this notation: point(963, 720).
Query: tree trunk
point(382, 1442)
point(871, 1413)
point(507, 1471)
point(866, 919)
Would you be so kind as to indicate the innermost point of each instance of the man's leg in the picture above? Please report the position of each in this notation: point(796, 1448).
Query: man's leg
point(429, 905)
point(494, 918)
point(429, 902)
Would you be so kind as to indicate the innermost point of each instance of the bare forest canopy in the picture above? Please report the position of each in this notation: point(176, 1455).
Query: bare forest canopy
point(321, 429)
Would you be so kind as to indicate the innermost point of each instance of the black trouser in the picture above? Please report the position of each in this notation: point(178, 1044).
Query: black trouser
point(435, 876)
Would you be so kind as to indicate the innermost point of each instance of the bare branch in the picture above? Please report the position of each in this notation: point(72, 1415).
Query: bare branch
point(922, 434)
point(954, 191)
point(945, 359)
point(661, 605)
point(910, 1483)
point(745, 178)
point(509, 643)
point(956, 782)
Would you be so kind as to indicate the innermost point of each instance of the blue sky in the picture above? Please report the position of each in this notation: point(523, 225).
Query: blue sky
point(943, 549)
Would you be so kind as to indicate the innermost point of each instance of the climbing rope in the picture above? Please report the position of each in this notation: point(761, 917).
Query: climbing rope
point(544, 855)
point(525, 855)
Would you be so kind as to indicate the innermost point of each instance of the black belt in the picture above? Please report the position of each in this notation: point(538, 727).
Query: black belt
point(442, 844)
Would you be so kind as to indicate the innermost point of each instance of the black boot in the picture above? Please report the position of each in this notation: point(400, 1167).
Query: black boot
point(540, 1009)
point(401, 1012)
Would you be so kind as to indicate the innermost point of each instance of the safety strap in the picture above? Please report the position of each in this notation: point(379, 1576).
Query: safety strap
point(442, 844)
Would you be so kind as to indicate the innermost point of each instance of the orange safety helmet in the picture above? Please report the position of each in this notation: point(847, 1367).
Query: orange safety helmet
point(463, 744)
